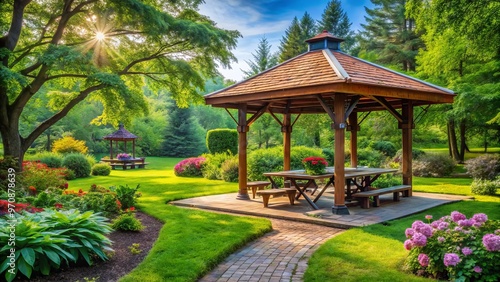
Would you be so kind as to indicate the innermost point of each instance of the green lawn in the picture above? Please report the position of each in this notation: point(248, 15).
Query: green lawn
point(376, 252)
point(191, 242)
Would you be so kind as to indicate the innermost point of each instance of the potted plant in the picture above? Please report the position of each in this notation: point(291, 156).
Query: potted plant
point(124, 156)
point(315, 165)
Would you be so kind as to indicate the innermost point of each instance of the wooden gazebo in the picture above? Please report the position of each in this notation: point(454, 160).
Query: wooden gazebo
point(122, 135)
point(324, 79)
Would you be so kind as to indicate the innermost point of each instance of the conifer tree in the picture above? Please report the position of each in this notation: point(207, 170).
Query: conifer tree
point(293, 43)
point(263, 59)
point(389, 36)
point(336, 21)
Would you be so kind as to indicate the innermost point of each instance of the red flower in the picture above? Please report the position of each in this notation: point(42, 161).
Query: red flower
point(119, 204)
point(58, 206)
point(132, 208)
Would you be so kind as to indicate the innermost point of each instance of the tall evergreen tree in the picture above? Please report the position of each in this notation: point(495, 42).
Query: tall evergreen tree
point(390, 35)
point(293, 42)
point(184, 137)
point(336, 21)
point(263, 59)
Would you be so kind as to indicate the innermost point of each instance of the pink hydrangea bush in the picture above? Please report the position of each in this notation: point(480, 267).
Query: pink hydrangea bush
point(189, 167)
point(455, 247)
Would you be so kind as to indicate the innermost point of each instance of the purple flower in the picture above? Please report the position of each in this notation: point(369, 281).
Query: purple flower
point(409, 232)
point(429, 217)
point(408, 245)
point(423, 228)
point(478, 269)
point(441, 239)
point(436, 223)
point(419, 239)
point(423, 259)
point(466, 251)
point(443, 225)
point(456, 216)
point(480, 217)
point(491, 242)
point(465, 222)
point(451, 259)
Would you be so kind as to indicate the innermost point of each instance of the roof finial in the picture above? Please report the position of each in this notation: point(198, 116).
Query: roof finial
point(324, 40)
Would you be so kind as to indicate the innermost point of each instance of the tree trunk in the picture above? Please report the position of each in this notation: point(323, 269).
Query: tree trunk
point(12, 143)
point(462, 142)
point(452, 137)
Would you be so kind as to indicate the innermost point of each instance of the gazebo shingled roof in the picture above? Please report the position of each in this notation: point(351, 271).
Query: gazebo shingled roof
point(324, 79)
point(120, 135)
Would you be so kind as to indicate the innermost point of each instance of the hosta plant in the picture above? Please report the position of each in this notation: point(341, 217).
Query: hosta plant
point(48, 239)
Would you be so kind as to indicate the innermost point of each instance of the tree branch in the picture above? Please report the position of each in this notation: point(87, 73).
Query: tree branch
point(26, 142)
point(66, 75)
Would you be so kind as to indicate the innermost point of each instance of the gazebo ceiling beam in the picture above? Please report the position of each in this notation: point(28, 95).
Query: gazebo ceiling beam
point(382, 101)
point(258, 114)
point(326, 107)
point(351, 107)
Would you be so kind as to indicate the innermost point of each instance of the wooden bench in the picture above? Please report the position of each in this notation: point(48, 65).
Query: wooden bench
point(132, 165)
point(257, 185)
point(266, 194)
point(395, 190)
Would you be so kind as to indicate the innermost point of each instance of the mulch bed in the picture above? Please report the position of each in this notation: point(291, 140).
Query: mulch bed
point(121, 263)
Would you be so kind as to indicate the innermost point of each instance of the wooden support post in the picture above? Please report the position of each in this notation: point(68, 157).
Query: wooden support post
point(407, 126)
point(287, 140)
point(111, 149)
point(353, 129)
point(133, 148)
point(339, 206)
point(242, 153)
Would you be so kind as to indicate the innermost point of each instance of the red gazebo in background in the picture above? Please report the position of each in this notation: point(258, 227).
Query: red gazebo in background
point(121, 135)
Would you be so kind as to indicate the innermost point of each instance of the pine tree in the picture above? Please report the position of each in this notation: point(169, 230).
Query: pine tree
point(336, 21)
point(183, 135)
point(263, 59)
point(293, 43)
point(389, 35)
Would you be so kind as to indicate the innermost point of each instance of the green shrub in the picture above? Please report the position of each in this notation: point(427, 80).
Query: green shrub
point(211, 168)
point(222, 140)
point(329, 155)
point(69, 144)
point(266, 160)
point(126, 195)
point(229, 170)
point(78, 163)
point(70, 174)
point(190, 167)
point(484, 167)
point(38, 177)
point(98, 188)
point(127, 222)
point(101, 169)
point(52, 160)
point(49, 239)
point(385, 147)
point(433, 165)
point(484, 186)
point(370, 158)
point(106, 203)
point(387, 180)
point(415, 153)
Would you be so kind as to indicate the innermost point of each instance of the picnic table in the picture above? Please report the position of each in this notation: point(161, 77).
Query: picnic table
point(359, 178)
point(126, 163)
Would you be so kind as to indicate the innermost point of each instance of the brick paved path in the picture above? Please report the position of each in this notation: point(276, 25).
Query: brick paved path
point(280, 255)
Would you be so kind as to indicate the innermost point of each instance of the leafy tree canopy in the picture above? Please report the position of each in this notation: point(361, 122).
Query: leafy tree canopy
point(105, 50)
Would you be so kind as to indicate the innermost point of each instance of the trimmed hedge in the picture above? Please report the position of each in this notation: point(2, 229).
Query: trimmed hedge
point(77, 163)
point(222, 140)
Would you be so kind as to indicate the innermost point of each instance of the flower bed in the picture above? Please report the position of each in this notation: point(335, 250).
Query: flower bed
point(454, 247)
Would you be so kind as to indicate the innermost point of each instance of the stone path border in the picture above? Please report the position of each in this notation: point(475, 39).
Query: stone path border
point(280, 255)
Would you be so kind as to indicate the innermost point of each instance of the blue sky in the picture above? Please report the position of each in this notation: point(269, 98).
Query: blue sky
point(255, 19)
